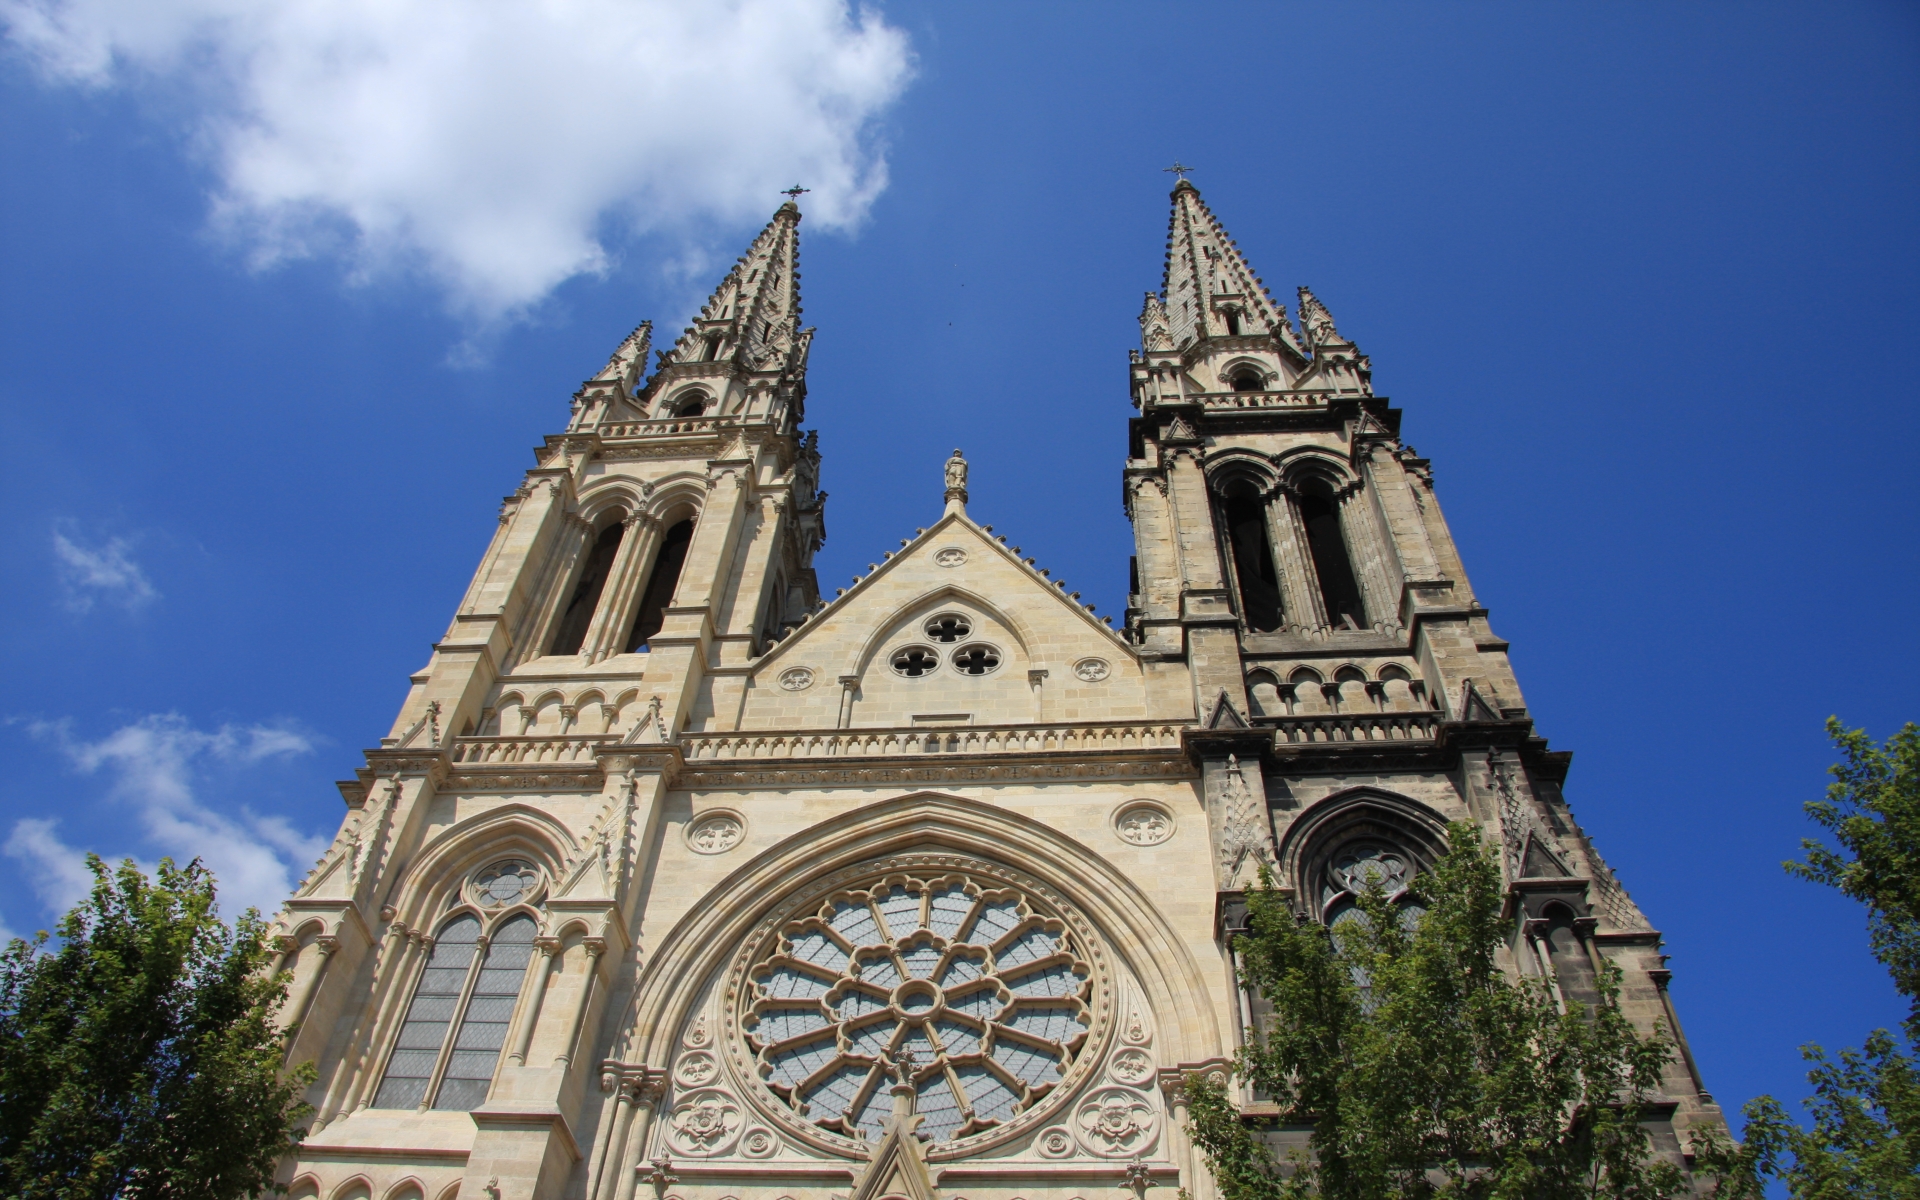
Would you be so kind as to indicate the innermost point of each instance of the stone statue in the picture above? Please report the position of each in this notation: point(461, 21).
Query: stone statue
point(956, 473)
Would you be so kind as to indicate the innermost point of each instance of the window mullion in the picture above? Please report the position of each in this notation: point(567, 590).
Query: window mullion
point(453, 1025)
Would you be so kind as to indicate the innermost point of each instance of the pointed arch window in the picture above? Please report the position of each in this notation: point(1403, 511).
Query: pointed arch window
point(1332, 566)
point(456, 1024)
point(586, 593)
point(660, 588)
point(1244, 516)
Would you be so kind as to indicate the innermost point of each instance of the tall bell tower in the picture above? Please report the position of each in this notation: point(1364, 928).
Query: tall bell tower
point(496, 842)
point(1349, 690)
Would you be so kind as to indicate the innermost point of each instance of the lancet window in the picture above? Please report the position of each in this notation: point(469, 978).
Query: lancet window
point(449, 1044)
point(586, 593)
point(1332, 566)
point(660, 587)
point(1245, 516)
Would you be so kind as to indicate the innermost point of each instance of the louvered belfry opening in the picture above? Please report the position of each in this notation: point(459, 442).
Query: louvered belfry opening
point(1245, 515)
point(1339, 591)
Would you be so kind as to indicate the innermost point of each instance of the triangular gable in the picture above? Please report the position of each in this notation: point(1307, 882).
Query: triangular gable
point(924, 544)
point(1472, 707)
point(1540, 862)
point(896, 1167)
point(1225, 715)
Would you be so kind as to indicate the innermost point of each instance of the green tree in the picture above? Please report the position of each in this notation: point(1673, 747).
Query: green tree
point(1422, 1068)
point(1865, 1138)
point(138, 1054)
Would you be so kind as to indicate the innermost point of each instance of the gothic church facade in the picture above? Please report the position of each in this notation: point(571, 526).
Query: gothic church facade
point(675, 880)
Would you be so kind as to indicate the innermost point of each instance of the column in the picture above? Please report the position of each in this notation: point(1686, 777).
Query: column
point(302, 998)
point(530, 1013)
point(1366, 552)
point(1299, 585)
point(594, 947)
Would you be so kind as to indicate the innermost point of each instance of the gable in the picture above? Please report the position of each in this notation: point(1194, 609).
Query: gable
point(978, 636)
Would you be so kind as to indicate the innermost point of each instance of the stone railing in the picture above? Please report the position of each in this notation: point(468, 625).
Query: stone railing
point(938, 739)
point(1353, 727)
point(505, 751)
point(1231, 400)
point(669, 427)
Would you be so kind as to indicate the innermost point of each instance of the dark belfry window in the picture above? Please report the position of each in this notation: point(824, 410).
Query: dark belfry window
point(1246, 520)
point(1233, 323)
point(1246, 381)
point(659, 593)
point(586, 593)
point(1338, 591)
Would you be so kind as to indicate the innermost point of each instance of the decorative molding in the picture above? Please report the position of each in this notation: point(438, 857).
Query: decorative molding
point(1142, 823)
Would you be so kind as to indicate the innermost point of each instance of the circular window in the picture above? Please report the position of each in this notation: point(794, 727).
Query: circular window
point(505, 883)
point(949, 628)
point(914, 661)
point(977, 659)
point(969, 990)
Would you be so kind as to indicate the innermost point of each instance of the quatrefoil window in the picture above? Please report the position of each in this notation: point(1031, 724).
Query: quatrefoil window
point(915, 661)
point(505, 883)
point(949, 628)
point(971, 993)
point(977, 659)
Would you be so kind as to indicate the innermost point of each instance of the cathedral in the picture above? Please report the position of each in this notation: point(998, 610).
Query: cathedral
point(677, 880)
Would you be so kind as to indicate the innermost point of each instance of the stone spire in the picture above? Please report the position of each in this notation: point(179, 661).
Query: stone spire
point(752, 320)
point(1209, 289)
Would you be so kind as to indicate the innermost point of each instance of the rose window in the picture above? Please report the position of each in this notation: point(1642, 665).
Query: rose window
point(1371, 865)
point(972, 994)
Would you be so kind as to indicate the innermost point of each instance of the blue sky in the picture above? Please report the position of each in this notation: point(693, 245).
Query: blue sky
point(1642, 276)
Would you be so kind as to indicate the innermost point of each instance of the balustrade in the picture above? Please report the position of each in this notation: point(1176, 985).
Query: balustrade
point(667, 427)
point(948, 739)
point(1354, 727)
point(563, 749)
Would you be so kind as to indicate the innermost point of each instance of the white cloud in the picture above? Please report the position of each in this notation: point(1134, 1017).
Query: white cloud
point(156, 764)
point(100, 572)
point(494, 144)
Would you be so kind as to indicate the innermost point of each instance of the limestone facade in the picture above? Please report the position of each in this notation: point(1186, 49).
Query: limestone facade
point(675, 880)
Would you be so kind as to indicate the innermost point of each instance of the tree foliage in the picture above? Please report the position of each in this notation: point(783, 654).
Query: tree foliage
point(1422, 1068)
point(1872, 809)
point(138, 1053)
point(1865, 1138)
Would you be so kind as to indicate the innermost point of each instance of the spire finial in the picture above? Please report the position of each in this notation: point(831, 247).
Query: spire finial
point(956, 482)
point(794, 193)
point(1178, 170)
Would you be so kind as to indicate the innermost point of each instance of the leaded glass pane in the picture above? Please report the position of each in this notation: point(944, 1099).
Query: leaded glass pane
point(483, 1030)
point(424, 1032)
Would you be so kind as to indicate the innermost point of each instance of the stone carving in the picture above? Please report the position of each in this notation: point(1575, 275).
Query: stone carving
point(715, 833)
point(1135, 1031)
point(698, 1034)
point(704, 1123)
point(1142, 823)
point(1091, 670)
point(796, 679)
point(512, 881)
point(759, 1142)
point(1055, 1143)
point(696, 1068)
point(1116, 1122)
point(1132, 1066)
point(951, 556)
point(956, 473)
point(1244, 841)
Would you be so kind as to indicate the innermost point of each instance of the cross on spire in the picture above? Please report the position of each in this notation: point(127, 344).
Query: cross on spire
point(795, 192)
point(1178, 170)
